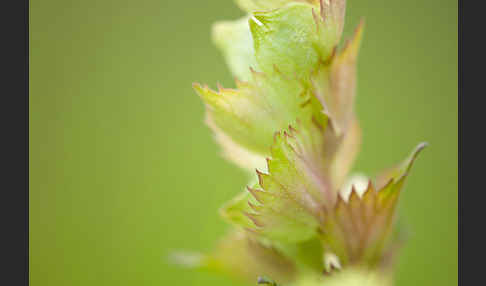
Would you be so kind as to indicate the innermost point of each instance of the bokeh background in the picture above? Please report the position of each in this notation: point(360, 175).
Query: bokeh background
point(123, 169)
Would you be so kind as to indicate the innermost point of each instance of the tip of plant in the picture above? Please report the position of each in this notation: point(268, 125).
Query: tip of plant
point(362, 21)
point(422, 145)
point(413, 156)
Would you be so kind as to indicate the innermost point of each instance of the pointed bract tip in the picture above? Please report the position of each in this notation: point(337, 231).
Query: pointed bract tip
point(268, 160)
point(359, 28)
point(196, 85)
point(362, 22)
point(260, 177)
point(254, 219)
point(370, 185)
point(351, 46)
point(421, 146)
point(288, 135)
point(276, 136)
point(252, 206)
point(316, 19)
point(416, 151)
point(253, 192)
point(353, 196)
point(321, 10)
point(294, 132)
point(220, 87)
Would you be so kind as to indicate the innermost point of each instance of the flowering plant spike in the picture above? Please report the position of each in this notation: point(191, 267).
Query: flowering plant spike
point(303, 220)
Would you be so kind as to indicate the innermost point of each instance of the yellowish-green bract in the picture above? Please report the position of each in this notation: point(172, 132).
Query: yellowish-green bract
point(291, 117)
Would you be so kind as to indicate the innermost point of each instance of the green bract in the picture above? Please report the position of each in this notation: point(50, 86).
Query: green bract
point(251, 114)
point(358, 228)
point(233, 38)
point(272, 57)
point(288, 203)
point(291, 117)
point(288, 38)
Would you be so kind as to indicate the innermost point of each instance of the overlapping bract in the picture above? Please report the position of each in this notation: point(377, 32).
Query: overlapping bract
point(292, 118)
point(282, 60)
point(358, 228)
point(293, 203)
point(288, 203)
point(251, 114)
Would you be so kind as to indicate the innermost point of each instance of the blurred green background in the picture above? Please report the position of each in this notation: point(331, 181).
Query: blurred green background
point(123, 169)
